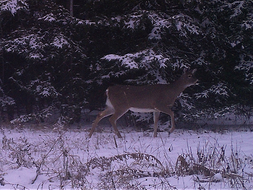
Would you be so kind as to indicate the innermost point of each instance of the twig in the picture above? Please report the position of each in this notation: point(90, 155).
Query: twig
point(43, 160)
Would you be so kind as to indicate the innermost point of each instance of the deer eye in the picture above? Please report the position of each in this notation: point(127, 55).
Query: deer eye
point(189, 76)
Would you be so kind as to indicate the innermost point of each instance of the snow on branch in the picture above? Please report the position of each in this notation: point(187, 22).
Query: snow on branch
point(43, 114)
point(185, 24)
point(219, 89)
point(6, 100)
point(159, 21)
point(135, 20)
point(60, 41)
point(246, 65)
point(236, 6)
point(132, 21)
point(139, 59)
point(13, 6)
point(30, 45)
point(43, 88)
point(49, 17)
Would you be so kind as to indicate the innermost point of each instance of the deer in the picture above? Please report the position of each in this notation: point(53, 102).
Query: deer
point(154, 98)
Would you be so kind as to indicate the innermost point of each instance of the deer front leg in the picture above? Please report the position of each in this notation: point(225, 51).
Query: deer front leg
point(113, 119)
point(156, 118)
point(108, 111)
point(168, 111)
point(171, 113)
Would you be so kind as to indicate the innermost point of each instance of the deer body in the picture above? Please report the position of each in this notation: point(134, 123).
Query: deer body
point(149, 98)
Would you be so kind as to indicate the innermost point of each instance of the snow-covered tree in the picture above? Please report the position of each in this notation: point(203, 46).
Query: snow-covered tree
point(53, 58)
point(40, 53)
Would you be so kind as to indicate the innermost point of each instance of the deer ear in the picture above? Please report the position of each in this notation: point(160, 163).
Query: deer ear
point(194, 71)
point(185, 70)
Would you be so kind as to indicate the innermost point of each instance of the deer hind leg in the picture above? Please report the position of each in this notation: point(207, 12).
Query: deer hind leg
point(156, 118)
point(108, 111)
point(113, 120)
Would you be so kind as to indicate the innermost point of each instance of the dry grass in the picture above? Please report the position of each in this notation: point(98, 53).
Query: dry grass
point(55, 160)
point(211, 165)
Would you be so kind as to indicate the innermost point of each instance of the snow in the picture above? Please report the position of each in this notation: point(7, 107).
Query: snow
point(21, 175)
point(30, 41)
point(238, 9)
point(160, 22)
point(185, 24)
point(130, 60)
point(60, 42)
point(43, 88)
point(133, 21)
point(70, 154)
point(49, 17)
point(248, 25)
point(6, 100)
point(218, 177)
point(85, 22)
point(13, 5)
point(219, 89)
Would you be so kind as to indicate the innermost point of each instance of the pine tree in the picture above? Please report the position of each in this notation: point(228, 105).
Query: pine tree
point(53, 58)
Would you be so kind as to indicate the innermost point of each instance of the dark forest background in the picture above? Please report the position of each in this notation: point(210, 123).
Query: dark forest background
point(59, 56)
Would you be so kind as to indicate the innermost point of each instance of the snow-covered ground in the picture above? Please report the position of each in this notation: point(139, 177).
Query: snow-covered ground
point(46, 158)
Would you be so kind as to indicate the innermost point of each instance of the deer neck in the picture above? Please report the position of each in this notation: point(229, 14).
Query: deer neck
point(179, 86)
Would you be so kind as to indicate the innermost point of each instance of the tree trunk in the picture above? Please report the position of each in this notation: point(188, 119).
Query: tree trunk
point(71, 11)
